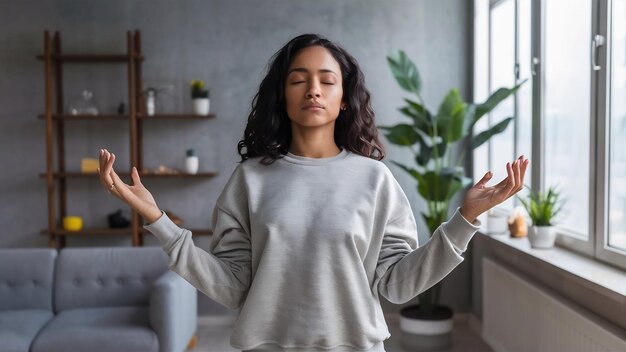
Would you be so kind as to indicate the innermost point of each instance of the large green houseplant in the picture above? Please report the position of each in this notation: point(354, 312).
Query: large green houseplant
point(431, 137)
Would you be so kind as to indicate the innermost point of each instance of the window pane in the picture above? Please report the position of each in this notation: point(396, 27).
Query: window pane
point(567, 107)
point(525, 93)
point(617, 126)
point(481, 79)
point(502, 74)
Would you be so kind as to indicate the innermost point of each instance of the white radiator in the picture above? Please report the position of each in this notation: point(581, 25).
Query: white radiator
point(519, 316)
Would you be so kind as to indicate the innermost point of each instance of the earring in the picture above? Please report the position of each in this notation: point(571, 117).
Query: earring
point(343, 108)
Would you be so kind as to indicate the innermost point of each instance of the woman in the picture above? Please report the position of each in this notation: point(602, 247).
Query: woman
point(311, 227)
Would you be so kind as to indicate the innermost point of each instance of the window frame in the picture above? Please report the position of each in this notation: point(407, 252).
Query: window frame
point(596, 246)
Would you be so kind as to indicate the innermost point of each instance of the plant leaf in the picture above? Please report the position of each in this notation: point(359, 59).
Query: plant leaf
point(405, 71)
point(401, 134)
point(486, 135)
point(450, 104)
point(494, 99)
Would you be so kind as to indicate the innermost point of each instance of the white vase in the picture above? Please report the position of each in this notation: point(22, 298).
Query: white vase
point(542, 236)
point(201, 106)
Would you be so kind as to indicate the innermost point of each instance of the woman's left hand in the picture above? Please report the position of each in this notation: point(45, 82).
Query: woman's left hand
point(481, 198)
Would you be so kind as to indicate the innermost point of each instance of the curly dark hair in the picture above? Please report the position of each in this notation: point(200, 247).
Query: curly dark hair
point(268, 132)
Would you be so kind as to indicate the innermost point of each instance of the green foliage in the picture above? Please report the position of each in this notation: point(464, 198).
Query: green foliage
point(431, 137)
point(198, 90)
point(543, 207)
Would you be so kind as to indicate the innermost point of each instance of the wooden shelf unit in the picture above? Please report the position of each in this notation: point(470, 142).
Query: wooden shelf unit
point(55, 118)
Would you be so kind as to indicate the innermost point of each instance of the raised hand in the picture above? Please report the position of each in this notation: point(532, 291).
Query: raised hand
point(481, 198)
point(137, 196)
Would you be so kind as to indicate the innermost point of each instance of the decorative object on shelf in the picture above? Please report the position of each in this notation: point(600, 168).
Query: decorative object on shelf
point(72, 223)
point(151, 94)
point(517, 223)
point(132, 107)
point(117, 220)
point(432, 137)
point(89, 165)
point(200, 98)
point(152, 98)
point(542, 209)
point(191, 162)
point(84, 106)
point(175, 218)
point(163, 170)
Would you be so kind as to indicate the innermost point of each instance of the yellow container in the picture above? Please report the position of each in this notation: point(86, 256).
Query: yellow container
point(72, 223)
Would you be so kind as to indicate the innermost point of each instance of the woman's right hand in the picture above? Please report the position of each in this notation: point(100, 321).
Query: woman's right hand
point(137, 196)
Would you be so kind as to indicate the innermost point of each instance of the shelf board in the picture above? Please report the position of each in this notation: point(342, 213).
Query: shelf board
point(175, 117)
point(97, 232)
point(86, 117)
point(91, 58)
point(126, 117)
point(127, 174)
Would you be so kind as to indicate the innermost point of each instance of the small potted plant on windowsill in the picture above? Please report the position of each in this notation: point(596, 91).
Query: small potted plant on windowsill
point(200, 98)
point(542, 209)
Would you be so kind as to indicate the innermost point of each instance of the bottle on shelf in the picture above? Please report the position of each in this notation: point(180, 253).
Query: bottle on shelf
point(191, 162)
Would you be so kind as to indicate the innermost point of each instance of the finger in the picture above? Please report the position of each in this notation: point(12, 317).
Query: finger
point(483, 181)
point(515, 186)
point(135, 176)
point(108, 166)
point(120, 189)
point(524, 167)
point(101, 168)
point(510, 180)
point(517, 172)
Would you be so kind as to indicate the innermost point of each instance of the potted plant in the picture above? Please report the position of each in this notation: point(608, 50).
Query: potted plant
point(200, 98)
point(542, 208)
point(431, 138)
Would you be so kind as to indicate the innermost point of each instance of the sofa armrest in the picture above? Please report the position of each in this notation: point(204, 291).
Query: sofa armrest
point(173, 311)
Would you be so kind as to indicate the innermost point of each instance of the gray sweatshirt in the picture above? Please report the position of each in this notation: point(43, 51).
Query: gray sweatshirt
point(305, 247)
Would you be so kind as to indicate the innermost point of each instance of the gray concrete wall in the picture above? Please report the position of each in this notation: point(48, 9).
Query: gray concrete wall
point(225, 43)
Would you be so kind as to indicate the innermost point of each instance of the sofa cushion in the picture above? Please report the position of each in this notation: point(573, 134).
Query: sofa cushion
point(18, 328)
point(26, 278)
point(105, 277)
point(98, 329)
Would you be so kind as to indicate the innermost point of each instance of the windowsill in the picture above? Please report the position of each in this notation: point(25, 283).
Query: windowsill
point(589, 271)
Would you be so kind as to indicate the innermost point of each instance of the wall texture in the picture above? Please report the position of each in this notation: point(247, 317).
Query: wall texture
point(225, 43)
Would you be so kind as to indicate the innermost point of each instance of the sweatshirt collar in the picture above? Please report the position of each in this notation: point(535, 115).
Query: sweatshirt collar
point(297, 159)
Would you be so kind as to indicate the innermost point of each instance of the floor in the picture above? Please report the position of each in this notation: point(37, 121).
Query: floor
point(214, 336)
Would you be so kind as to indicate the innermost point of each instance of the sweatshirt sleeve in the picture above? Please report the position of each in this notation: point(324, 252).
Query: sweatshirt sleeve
point(403, 270)
point(224, 272)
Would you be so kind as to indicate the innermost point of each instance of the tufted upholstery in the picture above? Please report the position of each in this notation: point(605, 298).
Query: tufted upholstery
point(25, 295)
point(105, 299)
point(98, 329)
point(114, 277)
point(26, 278)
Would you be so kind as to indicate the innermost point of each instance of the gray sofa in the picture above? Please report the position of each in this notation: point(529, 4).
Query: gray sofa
point(93, 299)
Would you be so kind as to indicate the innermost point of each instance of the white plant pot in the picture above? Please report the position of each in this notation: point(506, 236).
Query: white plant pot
point(201, 106)
point(542, 236)
point(420, 333)
point(411, 322)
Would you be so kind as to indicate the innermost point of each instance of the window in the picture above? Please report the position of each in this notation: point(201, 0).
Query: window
point(570, 116)
point(617, 128)
point(502, 74)
point(567, 114)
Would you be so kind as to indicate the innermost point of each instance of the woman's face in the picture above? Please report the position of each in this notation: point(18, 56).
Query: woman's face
point(313, 88)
